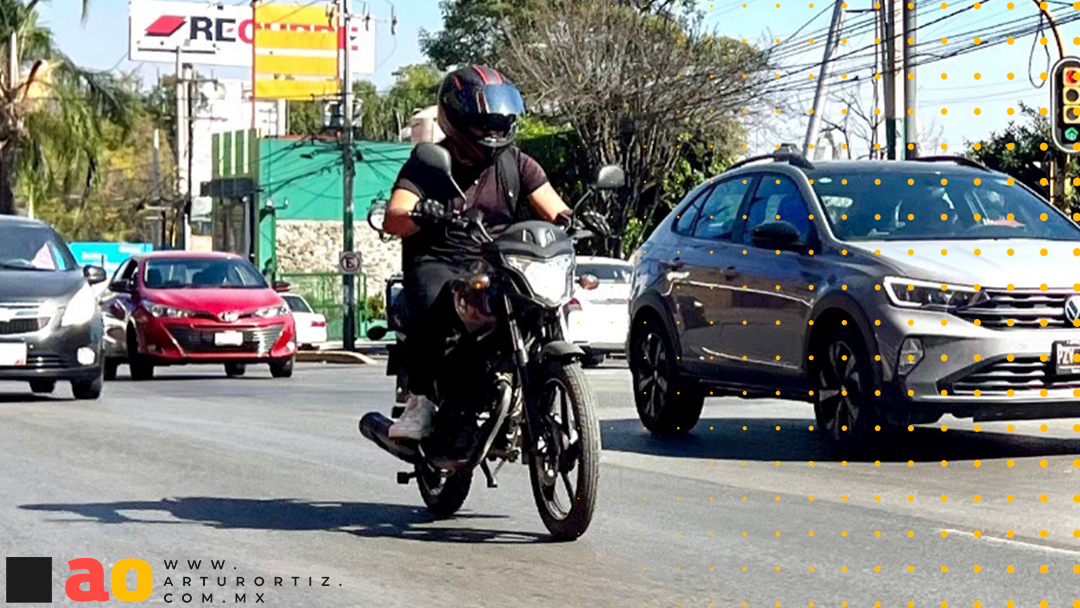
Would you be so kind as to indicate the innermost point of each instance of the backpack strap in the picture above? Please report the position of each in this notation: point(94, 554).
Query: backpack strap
point(510, 180)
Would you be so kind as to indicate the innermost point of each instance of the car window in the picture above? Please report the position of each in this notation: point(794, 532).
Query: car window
point(717, 218)
point(202, 273)
point(606, 273)
point(688, 212)
point(125, 271)
point(778, 199)
point(33, 247)
point(296, 303)
point(943, 204)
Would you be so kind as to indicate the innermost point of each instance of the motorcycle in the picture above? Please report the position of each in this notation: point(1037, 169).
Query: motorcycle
point(516, 383)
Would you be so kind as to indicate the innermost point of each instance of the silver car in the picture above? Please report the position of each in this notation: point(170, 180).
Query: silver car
point(885, 293)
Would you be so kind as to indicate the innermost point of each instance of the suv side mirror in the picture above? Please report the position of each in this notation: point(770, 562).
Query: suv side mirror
point(776, 235)
point(122, 286)
point(94, 274)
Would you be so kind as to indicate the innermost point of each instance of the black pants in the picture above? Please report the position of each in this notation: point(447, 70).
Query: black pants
point(429, 321)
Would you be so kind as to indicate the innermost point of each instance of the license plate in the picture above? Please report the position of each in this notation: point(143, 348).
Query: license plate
point(1066, 358)
point(13, 355)
point(229, 338)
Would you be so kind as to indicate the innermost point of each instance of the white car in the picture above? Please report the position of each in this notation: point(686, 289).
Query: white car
point(598, 317)
point(310, 325)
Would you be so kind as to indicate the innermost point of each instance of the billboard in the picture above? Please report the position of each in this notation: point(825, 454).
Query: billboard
point(222, 34)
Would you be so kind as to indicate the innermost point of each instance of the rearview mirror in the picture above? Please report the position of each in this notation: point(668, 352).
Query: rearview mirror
point(94, 274)
point(610, 177)
point(434, 157)
point(775, 235)
point(377, 214)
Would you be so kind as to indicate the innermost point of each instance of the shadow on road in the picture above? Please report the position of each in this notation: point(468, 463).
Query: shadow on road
point(725, 439)
point(371, 520)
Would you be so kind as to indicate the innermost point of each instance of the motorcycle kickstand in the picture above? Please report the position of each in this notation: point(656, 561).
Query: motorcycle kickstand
point(492, 482)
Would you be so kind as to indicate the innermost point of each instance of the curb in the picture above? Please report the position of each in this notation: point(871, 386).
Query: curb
point(335, 356)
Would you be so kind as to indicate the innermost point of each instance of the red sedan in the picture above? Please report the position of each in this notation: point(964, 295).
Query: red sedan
point(175, 308)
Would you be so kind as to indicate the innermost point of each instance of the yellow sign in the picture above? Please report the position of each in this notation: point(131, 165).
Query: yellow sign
point(296, 52)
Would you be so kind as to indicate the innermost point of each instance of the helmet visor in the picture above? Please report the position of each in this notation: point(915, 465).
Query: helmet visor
point(500, 99)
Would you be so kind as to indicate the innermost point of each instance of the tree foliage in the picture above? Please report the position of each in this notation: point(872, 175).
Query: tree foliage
point(650, 93)
point(474, 29)
point(53, 117)
point(382, 116)
point(1025, 151)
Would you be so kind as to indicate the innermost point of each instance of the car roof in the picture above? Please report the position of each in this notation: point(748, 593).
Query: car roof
point(782, 165)
point(18, 220)
point(188, 255)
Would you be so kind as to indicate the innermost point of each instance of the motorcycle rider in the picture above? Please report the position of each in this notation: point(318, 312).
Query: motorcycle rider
point(478, 111)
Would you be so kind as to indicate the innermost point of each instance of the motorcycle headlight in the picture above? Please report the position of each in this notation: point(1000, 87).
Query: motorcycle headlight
point(907, 293)
point(167, 312)
point(80, 309)
point(272, 311)
point(549, 280)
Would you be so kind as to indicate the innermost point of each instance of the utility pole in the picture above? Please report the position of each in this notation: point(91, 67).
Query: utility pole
point(822, 89)
point(892, 77)
point(911, 122)
point(181, 142)
point(185, 216)
point(348, 172)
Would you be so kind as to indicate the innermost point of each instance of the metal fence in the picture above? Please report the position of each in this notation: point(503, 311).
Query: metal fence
point(323, 291)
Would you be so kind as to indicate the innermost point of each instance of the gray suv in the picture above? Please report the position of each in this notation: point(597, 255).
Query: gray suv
point(885, 293)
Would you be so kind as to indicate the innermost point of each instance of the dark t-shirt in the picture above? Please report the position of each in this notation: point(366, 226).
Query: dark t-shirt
point(483, 189)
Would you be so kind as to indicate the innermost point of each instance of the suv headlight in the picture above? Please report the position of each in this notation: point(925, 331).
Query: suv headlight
point(80, 309)
point(272, 311)
point(549, 280)
point(908, 293)
point(168, 312)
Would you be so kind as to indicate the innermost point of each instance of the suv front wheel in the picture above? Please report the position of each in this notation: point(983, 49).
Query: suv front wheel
point(843, 388)
point(666, 403)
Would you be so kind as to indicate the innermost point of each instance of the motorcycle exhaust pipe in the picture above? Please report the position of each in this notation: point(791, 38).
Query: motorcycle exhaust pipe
point(376, 428)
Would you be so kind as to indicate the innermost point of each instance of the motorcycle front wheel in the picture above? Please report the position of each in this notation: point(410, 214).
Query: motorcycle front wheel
point(443, 493)
point(565, 467)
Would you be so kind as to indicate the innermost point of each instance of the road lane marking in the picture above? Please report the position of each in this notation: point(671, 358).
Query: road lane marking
point(1013, 543)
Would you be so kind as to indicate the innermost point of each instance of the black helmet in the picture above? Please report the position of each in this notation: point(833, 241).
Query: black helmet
point(481, 106)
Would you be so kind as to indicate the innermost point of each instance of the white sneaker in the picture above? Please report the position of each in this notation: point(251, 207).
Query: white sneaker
point(415, 421)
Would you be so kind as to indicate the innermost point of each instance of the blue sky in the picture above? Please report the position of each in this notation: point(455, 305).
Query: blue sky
point(102, 43)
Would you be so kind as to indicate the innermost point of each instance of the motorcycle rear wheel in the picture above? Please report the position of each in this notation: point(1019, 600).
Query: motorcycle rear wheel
point(443, 493)
point(569, 407)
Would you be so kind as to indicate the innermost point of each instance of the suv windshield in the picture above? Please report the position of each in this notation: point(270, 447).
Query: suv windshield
point(895, 206)
point(33, 247)
point(202, 273)
point(608, 273)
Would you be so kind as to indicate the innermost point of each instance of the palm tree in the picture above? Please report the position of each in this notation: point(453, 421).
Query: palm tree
point(52, 112)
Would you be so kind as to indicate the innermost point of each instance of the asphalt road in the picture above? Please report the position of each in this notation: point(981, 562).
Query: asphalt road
point(272, 478)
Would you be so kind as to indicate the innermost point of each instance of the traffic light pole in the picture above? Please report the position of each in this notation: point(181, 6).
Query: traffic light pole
point(348, 172)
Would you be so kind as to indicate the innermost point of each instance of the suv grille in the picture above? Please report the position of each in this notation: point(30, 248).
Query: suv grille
point(1025, 308)
point(1022, 374)
point(256, 340)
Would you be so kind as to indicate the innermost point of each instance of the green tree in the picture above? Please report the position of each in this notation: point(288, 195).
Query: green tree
point(474, 29)
point(1025, 150)
point(53, 114)
point(641, 91)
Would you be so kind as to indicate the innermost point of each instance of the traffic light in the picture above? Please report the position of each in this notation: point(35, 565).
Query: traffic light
point(1065, 104)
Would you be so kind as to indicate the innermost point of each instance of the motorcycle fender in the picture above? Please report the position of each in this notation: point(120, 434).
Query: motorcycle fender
point(561, 351)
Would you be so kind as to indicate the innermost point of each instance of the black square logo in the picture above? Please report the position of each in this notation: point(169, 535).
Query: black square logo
point(29, 580)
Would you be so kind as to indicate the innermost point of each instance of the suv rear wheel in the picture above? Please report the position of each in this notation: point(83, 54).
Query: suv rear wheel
point(666, 403)
point(845, 407)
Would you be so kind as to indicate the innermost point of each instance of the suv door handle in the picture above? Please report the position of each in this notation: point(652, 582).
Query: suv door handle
point(675, 264)
point(731, 272)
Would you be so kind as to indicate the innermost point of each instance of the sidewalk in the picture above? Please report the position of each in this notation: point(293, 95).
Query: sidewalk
point(334, 352)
